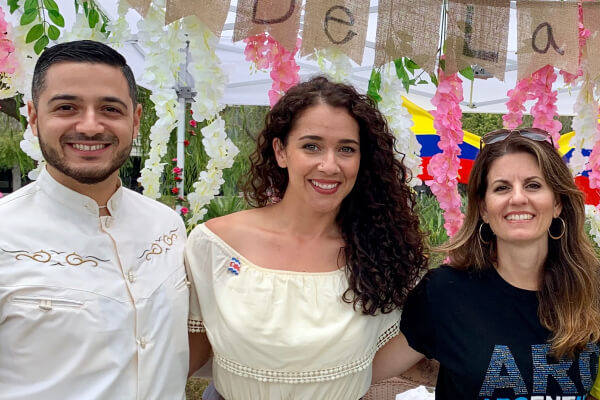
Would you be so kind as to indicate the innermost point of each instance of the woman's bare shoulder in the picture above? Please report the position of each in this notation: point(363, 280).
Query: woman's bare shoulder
point(236, 226)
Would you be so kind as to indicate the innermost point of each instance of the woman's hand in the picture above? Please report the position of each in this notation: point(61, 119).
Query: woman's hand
point(394, 358)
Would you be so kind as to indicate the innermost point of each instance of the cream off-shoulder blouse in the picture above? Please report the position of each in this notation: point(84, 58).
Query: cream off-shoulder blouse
point(279, 334)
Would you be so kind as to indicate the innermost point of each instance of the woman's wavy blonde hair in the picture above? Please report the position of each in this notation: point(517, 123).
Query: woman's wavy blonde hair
point(569, 296)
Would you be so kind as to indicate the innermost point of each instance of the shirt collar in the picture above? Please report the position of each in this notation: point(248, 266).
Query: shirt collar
point(75, 200)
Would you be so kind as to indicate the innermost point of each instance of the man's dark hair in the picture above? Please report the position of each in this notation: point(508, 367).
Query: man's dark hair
point(84, 51)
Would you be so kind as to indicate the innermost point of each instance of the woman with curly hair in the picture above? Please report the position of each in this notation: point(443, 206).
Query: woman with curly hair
point(296, 296)
point(516, 313)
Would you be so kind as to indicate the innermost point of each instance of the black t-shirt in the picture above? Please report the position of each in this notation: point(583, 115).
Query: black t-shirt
point(487, 336)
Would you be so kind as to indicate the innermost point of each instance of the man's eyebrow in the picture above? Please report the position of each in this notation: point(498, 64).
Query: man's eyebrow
point(71, 97)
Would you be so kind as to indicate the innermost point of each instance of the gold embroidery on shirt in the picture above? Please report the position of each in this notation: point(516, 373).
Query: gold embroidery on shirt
point(39, 256)
point(155, 248)
point(56, 258)
point(75, 259)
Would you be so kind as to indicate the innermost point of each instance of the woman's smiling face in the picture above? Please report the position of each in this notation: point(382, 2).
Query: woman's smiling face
point(519, 204)
point(322, 156)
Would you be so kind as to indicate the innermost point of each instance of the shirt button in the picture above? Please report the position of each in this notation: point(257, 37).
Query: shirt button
point(131, 276)
point(142, 342)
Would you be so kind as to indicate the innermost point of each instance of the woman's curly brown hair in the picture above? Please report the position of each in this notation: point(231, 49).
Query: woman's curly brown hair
point(383, 244)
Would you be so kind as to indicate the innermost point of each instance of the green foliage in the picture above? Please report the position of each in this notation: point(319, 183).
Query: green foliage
point(374, 85)
point(468, 73)
point(480, 123)
point(43, 30)
point(11, 154)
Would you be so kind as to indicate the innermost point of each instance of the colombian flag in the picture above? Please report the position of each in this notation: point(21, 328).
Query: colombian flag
point(428, 138)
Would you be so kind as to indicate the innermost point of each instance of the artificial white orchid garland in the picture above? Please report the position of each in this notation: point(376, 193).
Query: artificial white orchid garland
point(333, 63)
point(400, 122)
point(162, 63)
point(209, 80)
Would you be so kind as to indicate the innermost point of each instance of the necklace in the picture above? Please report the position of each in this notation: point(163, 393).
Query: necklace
point(102, 207)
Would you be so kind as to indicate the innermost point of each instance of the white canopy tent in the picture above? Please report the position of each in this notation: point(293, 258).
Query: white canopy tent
point(245, 87)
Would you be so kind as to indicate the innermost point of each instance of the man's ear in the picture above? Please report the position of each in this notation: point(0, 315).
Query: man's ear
point(137, 116)
point(32, 117)
point(280, 155)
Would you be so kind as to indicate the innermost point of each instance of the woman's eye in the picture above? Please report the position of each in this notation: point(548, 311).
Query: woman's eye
point(310, 147)
point(348, 149)
point(501, 188)
point(533, 185)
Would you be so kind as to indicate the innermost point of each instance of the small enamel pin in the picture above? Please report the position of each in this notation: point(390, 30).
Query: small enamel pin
point(234, 266)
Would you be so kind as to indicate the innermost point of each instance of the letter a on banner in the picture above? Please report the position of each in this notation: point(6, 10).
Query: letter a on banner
point(212, 13)
point(281, 18)
point(140, 6)
point(477, 34)
point(340, 24)
point(591, 21)
point(548, 34)
point(408, 28)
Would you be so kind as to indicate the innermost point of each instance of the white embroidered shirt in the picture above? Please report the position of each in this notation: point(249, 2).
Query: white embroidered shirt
point(91, 307)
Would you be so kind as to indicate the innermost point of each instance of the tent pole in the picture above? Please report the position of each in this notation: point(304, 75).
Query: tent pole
point(185, 96)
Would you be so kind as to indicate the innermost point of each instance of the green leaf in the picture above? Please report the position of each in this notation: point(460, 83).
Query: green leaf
point(56, 18)
point(443, 65)
point(410, 64)
point(93, 17)
point(422, 82)
point(53, 32)
point(103, 27)
point(34, 33)
point(76, 6)
point(41, 44)
point(85, 8)
point(30, 5)
point(28, 17)
point(467, 73)
point(400, 71)
point(51, 5)
point(434, 79)
point(374, 85)
point(13, 4)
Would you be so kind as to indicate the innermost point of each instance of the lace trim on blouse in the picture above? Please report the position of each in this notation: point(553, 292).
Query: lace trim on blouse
point(195, 326)
point(329, 374)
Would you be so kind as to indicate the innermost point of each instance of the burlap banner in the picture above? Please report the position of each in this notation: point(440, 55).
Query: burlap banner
point(408, 28)
point(140, 6)
point(477, 34)
point(336, 23)
point(548, 34)
point(212, 13)
point(591, 20)
point(281, 18)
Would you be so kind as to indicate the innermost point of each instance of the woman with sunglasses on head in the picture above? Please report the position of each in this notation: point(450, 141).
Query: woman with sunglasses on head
point(516, 312)
point(296, 297)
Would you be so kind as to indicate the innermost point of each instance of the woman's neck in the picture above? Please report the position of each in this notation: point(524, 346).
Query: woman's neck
point(523, 266)
point(302, 221)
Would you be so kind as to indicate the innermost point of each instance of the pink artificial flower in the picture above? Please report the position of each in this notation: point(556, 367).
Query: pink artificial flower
point(186, 143)
point(175, 190)
point(184, 210)
point(174, 159)
point(176, 170)
point(193, 123)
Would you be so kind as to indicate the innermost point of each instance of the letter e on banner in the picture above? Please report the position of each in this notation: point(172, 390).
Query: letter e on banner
point(548, 34)
point(336, 23)
point(281, 18)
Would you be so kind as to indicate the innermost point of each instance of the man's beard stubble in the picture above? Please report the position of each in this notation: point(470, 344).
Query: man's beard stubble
point(84, 175)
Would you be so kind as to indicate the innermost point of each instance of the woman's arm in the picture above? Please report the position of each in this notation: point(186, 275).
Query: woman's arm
point(200, 351)
point(394, 358)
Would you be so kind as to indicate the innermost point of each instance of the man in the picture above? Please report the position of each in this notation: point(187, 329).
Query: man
point(93, 291)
